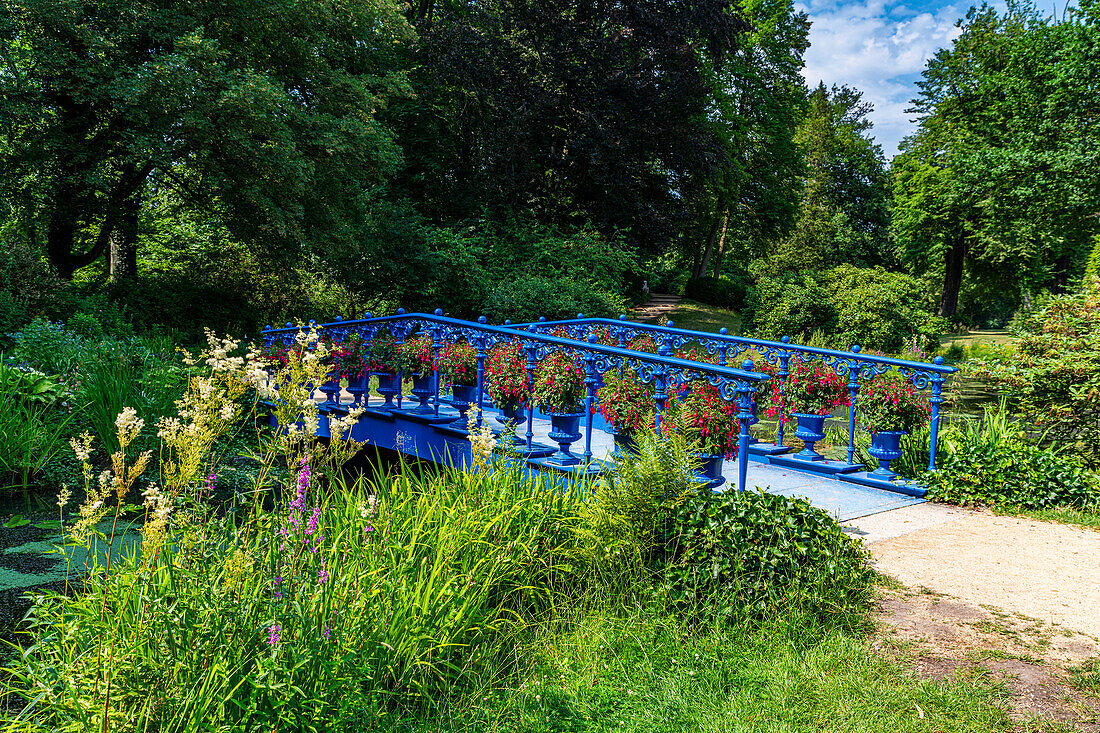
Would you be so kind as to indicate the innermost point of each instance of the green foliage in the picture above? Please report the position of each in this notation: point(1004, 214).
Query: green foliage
point(558, 386)
point(31, 433)
point(622, 527)
point(31, 385)
point(751, 554)
point(872, 307)
point(992, 462)
point(725, 292)
point(28, 287)
point(1055, 375)
point(50, 347)
point(530, 297)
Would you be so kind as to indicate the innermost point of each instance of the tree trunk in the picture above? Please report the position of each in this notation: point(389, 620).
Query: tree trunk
point(122, 250)
point(60, 234)
point(704, 264)
point(952, 277)
point(721, 244)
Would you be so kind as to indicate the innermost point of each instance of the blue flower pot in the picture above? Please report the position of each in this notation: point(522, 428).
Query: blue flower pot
point(331, 390)
point(512, 418)
point(885, 446)
point(388, 388)
point(566, 431)
point(712, 469)
point(464, 395)
point(811, 429)
point(423, 389)
point(357, 387)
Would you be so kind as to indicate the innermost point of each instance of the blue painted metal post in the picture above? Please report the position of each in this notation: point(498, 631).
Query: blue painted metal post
point(437, 344)
point(936, 400)
point(590, 398)
point(530, 347)
point(784, 372)
point(745, 392)
point(660, 394)
point(665, 348)
point(723, 349)
point(622, 332)
point(853, 392)
point(399, 333)
point(480, 372)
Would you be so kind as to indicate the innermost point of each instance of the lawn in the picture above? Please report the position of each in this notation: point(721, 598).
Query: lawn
point(695, 316)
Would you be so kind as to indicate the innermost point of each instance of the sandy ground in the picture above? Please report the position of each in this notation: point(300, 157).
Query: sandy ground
point(1043, 570)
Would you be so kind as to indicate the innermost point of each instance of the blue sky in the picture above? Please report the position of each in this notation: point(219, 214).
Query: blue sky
point(879, 48)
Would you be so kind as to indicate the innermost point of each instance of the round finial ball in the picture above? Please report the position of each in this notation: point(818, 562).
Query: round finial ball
point(938, 361)
point(722, 331)
point(267, 327)
point(312, 322)
point(340, 318)
point(438, 311)
point(507, 321)
point(856, 348)
point(289, 324)
point(370, 315)
point(580, 315)
point(481, 319)
point(591, 338)
point(668, 324)
point(400, 311)
point(786, 339)
point(747, 365)
point(622, 316)
point(542, 319)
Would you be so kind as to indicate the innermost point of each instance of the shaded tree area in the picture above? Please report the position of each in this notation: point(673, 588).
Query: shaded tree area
point(996, 195)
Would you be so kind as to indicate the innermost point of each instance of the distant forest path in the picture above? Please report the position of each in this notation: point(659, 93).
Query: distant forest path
point(659, 305)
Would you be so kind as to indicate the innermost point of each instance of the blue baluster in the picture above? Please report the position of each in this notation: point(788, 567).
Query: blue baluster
point(590, 398)
point(481, 354)
point(530, 347)
point(437, 344)
point(936, 400)
point(399, 332)
point(853, 391)
point(745, 392)
point(581, 329)
point(665, 349)
point(660, 394)
point(782, 374)
point(723, 349)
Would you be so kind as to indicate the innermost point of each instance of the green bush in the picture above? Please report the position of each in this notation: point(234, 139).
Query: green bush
point(755, 553)
point(792, 305)
point(529, 297)
point(1055, 373)
point(31, 434)
point(50, 347)
point(725, 292)
point(28, 287)
point(880, 310)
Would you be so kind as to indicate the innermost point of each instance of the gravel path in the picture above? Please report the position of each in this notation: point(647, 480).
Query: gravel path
point(1043, 570)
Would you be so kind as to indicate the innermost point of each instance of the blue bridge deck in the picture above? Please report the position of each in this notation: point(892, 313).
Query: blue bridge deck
point(437, 438)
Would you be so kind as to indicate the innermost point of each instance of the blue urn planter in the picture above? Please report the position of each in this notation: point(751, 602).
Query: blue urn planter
point(388, 388)
point(566, 431)
point(423, 389)
point(712, 469)
point(811, 429)
point(513, 417)
point(464, 395)
point(331, 390)
point(886, 447)
point(357, 387)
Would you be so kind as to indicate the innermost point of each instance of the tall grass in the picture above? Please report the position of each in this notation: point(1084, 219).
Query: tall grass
point(31, 434)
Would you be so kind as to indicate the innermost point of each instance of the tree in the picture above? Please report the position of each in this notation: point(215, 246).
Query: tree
point(999, 183)
point(843, 214)
point(264, 110)
point(573, 111)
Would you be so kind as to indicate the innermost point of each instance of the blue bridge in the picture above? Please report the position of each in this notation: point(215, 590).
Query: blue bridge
point(432, 427)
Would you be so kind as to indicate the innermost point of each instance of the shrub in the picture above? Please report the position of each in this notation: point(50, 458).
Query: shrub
point(880, 310)
point(725, 292)
point(789, 305)
point(529, 297)
point(28, 287)
point(50, 347)
point(1056, 373)
point(749, 554)
point(31, 433)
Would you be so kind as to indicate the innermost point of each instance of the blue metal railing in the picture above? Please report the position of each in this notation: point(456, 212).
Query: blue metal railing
point(662, 370)
point(852, 364)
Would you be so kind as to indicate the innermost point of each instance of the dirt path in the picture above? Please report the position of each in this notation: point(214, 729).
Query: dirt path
point(1044, 570)
point(659, 305)
point(1011, 599)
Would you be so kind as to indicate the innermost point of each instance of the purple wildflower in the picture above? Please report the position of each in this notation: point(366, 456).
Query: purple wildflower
point(326, 632)
point(312, 526)
point(299, 502)
point(211, 481)
point(322, 574)
point(273, 634)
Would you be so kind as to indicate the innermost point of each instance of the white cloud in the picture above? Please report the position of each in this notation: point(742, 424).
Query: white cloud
point(879, 49)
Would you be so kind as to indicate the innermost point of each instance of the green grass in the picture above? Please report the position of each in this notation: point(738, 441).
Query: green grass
point(599, 672)
point(1089, 518)
point(695, 316)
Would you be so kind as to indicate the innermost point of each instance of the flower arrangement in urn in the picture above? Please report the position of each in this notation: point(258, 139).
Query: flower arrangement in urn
point(709, 421)
point(811, 389)
point(506, 376)
point(458, 363)
point(416, 359)
point(626, 402)
point(382, 356)
point(559, 385)
point(890, 403)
